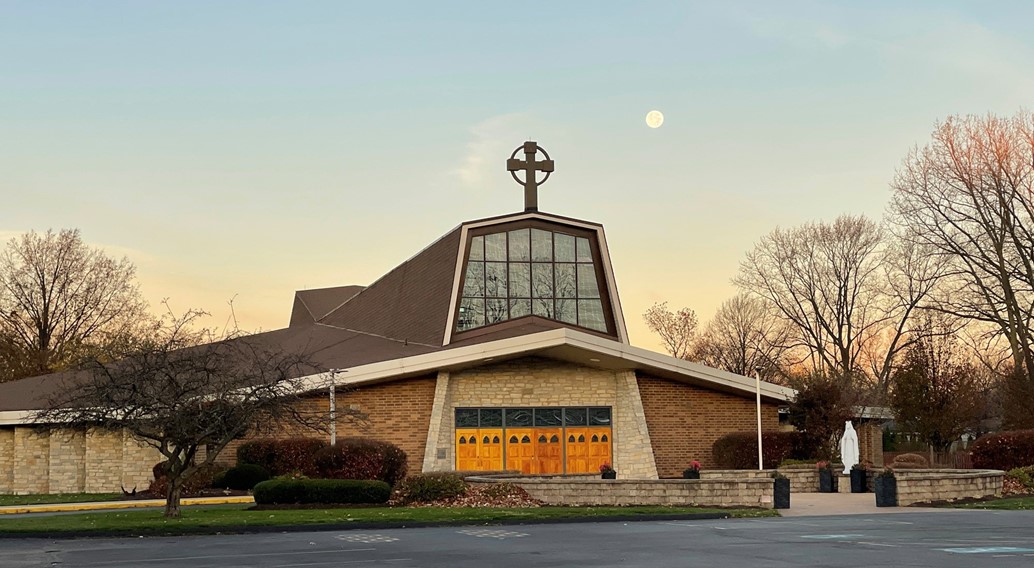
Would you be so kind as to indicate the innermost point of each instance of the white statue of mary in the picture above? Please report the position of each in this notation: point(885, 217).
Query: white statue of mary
point(849, 447)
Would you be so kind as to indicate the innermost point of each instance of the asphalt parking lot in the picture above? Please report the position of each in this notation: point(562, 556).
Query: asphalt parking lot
point(944, 539)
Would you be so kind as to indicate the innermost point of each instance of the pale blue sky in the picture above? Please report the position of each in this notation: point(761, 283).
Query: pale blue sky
point(254, 148)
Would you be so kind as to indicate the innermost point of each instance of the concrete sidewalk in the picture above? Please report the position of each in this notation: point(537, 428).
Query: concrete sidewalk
point(128, 504)
point(823, 504)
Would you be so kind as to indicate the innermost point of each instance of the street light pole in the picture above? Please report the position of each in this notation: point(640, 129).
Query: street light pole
point(757, 391)
point(333, 408)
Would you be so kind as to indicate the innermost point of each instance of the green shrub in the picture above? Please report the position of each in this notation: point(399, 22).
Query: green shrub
point(739, 450)
point(323, 491)
point(1004, 450)
point(426, 487)
point(362, 458)
point(281, 457)
point(242, 477)
point(1023, 475)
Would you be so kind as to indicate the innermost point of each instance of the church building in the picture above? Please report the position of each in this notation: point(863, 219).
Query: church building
point(501, 345)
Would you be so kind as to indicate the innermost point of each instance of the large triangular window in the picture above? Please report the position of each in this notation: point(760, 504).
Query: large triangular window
point(531, 271)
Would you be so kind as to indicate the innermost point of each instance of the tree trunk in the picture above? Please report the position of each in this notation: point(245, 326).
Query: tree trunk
point(172, 500)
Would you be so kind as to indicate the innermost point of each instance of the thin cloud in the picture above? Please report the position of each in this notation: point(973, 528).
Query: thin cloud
point(491, 141)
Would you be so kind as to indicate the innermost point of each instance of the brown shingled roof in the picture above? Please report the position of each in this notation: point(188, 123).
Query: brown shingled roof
point(410, 303)
point(311, 305)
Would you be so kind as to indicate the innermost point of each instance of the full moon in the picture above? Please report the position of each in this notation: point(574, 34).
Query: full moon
point(654, 119)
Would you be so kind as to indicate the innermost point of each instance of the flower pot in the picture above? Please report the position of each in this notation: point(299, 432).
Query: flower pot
point(781, 494)
point(609, 475)
point(827, 481)
point(691, 474)
point(886, 491)
point(858, 481)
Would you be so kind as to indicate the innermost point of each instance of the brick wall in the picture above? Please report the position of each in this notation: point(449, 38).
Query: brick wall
point(398, 412)
point(685, 421)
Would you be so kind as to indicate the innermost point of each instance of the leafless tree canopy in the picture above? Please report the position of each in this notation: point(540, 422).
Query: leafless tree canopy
point(676, 329)
point(846, 289)
point(969, 196)
point(744, 335)
point(180, 397)
point(61, 300)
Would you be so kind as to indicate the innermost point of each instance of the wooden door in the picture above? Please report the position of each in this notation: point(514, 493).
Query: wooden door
point(549, 451)
point(490, 449)
point(577, 448)
point(467, 449)
point(520, 450)
point(599, 447)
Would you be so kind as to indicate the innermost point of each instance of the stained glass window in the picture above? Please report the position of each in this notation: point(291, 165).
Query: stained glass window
point(530, 272)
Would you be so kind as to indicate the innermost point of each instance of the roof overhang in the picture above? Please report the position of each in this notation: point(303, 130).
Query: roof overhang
point(559, 344)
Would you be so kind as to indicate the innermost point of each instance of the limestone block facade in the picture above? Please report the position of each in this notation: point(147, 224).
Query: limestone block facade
point(63, 461)
point(532, 382)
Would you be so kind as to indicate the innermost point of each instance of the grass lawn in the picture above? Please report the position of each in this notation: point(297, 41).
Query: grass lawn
point(226, 519)
point(1006, 504)
point(7, 500)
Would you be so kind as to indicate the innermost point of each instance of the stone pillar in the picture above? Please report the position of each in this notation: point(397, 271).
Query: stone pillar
point(437, 455)
point(6, 460)
point(103, 461)
point(32, 473)
point(67, 461)
point(138, 459)
point(633, 452)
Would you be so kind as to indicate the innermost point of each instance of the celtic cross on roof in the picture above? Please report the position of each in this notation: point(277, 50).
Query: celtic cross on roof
point(529, 165)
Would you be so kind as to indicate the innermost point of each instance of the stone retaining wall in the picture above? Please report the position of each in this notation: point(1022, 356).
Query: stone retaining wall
point(741, 492)
point(925, 485)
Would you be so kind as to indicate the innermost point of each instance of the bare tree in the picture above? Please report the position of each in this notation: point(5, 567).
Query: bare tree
point(969, 196)
point(60, 300)
point(844, 288)
point(744, 335)
point(180, 397)
point(938, 393)
point(676, 329)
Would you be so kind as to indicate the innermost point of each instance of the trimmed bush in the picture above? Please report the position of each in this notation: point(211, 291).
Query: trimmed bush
point(323, 491)
point(1004, 450)
point(280, 457)
point(1022, 475)
point(242, 477)
point(909, 461)
point(739, 450)
point(427, 487)
point(362, 458)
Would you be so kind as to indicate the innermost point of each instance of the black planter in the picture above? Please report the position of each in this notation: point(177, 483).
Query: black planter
point(858, 481)
point(827, 481)
point(609, 475)
point(691, 474)
point(886, 491)
point(781, 495)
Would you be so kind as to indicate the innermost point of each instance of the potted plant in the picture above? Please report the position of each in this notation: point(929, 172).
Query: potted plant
point(827, 481)
point(693, 471)
point(607, 472)
point(858, 475)
point(781, 491)
point(886, 486)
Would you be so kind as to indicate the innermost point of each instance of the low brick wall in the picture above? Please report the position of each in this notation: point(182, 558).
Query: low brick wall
point(717, 492)
point(925, 485)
